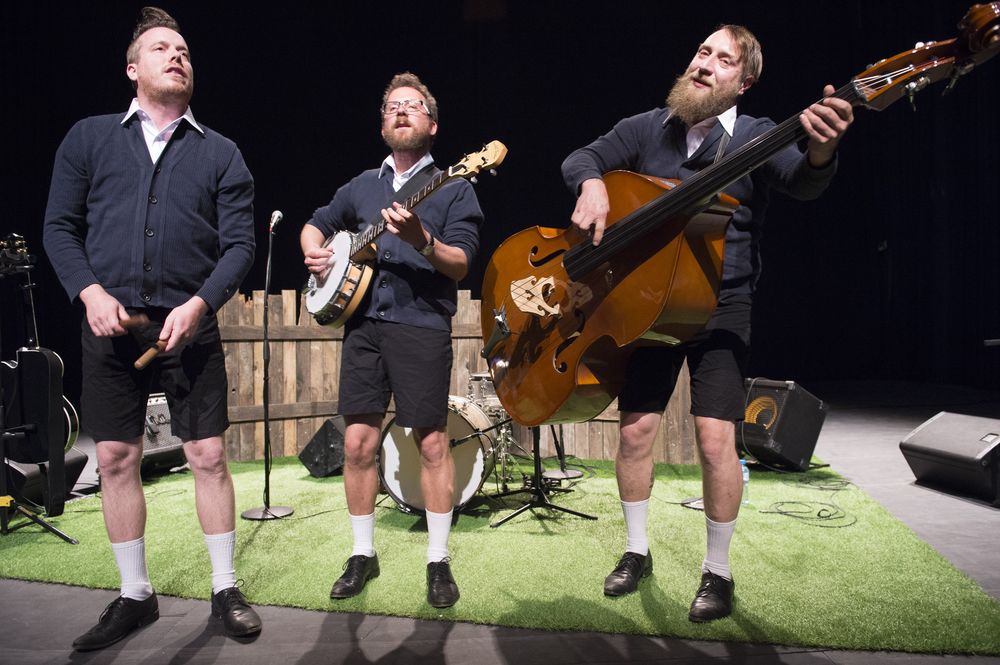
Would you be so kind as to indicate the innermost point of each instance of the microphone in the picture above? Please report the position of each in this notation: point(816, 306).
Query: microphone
point(276, 218)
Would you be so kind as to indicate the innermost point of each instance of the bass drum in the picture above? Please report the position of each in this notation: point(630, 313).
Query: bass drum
point(399, 456)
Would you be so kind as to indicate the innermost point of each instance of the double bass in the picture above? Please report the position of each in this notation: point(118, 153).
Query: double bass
point(560, 317)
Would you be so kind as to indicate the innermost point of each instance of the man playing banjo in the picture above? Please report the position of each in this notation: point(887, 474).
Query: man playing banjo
point(398, 342)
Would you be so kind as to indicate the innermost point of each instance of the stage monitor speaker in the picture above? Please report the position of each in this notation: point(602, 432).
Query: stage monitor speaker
point(324, 454)
point(160, 448)
point(956, 453)
point(28, 481)
point(781, 423)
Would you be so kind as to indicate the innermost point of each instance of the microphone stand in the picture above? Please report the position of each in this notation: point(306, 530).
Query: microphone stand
point(267, 511)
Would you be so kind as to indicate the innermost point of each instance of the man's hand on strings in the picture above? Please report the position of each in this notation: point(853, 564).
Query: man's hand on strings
point(825, 123)
point(405, 224)
point(591, 212)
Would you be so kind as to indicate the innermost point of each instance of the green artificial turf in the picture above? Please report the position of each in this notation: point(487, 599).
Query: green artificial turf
point(816, 562)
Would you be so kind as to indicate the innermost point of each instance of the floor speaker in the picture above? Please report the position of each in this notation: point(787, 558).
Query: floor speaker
point(957, 453)
point(29, 481)
point(781, 423)
point(160, 448)
point(324, 454)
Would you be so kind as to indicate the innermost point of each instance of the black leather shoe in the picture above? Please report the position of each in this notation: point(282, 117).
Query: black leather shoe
point(357, 571)
point(625, 578)
point(120, 617)
point(239, 619)
point(441, 588)
point(714, 599)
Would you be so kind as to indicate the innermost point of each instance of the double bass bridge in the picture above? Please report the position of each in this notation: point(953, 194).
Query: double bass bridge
point(530, 295)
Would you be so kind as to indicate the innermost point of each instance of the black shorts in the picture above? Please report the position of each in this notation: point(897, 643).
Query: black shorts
point(717, 358)
point(114, 393)
point(380, 359)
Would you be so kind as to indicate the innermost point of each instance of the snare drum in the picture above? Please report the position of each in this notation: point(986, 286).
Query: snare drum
point(482, 391)
point(399, 456)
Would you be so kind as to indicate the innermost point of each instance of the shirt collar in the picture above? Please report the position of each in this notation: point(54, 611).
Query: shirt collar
point(727, 118)
point(135, 109)
point(389, 166)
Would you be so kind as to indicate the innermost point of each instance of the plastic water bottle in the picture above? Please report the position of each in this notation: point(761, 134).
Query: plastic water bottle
point(746, 482)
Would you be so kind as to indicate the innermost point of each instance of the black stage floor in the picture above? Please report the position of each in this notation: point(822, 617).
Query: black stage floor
point(860, 440)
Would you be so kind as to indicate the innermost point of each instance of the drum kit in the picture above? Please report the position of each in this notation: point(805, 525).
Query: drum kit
point(481, 440)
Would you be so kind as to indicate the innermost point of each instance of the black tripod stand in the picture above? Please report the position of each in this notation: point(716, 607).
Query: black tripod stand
point(8, 504)
point(539, 498)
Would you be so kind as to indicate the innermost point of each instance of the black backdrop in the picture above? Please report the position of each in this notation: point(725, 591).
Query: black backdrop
point(893, 273)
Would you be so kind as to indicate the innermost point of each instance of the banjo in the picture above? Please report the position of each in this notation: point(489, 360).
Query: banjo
point(333, 295)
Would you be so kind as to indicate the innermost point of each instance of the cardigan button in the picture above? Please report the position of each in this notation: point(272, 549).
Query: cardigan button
point(152, 199)
point(150, 232)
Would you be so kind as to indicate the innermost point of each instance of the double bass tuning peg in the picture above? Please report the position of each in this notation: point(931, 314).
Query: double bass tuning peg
point(913, 87)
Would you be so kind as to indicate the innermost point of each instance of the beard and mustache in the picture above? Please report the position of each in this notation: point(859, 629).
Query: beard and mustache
point(692, 105)
point(418, 139)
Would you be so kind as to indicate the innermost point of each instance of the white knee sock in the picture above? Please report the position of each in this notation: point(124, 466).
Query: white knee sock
point(636, 515)
point(717, 554)
point(221, 549)
point(131, 559)
point(438, 529)
point(363, 527)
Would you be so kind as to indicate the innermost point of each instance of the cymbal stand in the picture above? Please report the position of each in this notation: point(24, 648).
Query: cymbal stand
point(504, 440)
point(500, 444)
point(562, 473)
point(539, 498)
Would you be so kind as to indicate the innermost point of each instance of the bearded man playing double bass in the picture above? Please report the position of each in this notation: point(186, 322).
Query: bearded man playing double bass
point(677, 142)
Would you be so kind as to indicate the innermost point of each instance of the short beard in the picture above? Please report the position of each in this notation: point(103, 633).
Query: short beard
point(416, 141)
point(691, 107)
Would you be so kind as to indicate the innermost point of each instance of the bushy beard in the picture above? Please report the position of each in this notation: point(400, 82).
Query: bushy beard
point(692, 106)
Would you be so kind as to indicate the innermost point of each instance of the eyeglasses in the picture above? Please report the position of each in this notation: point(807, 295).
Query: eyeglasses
point(409, 106)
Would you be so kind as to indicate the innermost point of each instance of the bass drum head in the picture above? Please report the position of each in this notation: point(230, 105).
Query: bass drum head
point(399, 457)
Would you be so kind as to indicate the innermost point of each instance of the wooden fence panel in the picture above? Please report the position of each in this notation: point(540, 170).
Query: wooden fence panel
point(305, 366)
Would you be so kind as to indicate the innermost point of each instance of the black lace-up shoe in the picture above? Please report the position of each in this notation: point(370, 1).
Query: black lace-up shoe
point(357, 571)
point(441, 588)
point(714, 599)
point(238, 618)
point(120, 617)
point(625, 578)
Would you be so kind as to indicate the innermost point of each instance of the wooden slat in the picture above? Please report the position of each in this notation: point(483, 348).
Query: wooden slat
point(253, 412)
point(287, 391)
point(245, 391)
point(227, 315)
